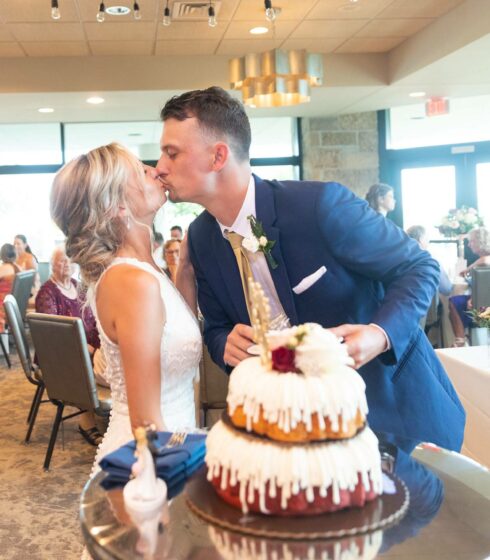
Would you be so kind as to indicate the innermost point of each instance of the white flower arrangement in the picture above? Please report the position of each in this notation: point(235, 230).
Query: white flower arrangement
point(459, 221)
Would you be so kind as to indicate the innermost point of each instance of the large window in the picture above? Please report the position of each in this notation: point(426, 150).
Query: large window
point(428, 193)
point(30, 144)
point(30, 154)
point(483, 190)
point(24, 208)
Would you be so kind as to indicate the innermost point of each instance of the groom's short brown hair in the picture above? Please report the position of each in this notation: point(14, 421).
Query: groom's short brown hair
point(217, 113)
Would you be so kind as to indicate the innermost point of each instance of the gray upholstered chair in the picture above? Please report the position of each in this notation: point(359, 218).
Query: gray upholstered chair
point(213, 388)
point(32, 372)
point(61, 349)
point(480, 286)
point(22, 288)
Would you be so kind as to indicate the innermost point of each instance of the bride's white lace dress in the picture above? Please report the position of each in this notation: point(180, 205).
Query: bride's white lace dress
point(180, 353)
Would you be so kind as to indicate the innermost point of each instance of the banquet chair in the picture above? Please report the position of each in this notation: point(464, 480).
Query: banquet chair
point(213, 388)
point(63, 356)
point(32, 372)
point(433, 320)
point(480, 286)
point(22, 288)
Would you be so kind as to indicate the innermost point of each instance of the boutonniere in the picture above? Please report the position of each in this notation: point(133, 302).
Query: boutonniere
point(259, 241)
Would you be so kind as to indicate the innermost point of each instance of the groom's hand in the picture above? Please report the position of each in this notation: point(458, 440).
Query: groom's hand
point(237, 343)
point(364, 342)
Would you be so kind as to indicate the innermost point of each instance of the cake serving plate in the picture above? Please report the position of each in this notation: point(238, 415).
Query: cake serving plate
point(382, 512)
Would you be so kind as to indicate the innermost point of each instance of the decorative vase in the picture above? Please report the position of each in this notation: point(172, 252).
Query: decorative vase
point(479, 336)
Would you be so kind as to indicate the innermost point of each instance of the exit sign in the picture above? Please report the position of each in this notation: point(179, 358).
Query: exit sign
point(436, 106)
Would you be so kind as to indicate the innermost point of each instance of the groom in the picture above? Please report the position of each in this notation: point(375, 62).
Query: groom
point(321, 254)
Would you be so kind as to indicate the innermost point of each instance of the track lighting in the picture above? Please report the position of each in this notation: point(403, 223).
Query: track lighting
point(136, 11)
point(270, 13)
point(101, 13)
point(55, 11)
point(166, 16)
point(212, 21)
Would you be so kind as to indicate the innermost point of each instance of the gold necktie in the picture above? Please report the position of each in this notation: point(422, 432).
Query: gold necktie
point(235, 240)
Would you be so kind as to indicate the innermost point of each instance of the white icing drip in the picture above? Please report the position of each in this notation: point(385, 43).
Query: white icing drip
point(289, 398)
point(252, 463)
point(233, 546)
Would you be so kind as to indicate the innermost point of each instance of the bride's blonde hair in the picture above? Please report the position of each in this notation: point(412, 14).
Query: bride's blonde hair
point(86, 200)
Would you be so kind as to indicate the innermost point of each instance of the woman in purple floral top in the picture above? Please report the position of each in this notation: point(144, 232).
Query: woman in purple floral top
point(60, 296)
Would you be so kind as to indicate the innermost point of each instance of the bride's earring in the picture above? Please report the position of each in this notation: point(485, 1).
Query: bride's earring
point(128, 223)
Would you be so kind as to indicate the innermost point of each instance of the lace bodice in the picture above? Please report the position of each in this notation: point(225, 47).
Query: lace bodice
point(180, 354)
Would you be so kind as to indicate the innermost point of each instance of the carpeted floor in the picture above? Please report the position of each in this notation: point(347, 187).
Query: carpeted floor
point(38, 510)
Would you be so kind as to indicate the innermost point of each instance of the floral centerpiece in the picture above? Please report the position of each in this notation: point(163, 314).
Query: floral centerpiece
point(459, 221)
point(481, 317)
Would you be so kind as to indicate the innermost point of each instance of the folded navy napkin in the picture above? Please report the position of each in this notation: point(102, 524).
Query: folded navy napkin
point(174, 465)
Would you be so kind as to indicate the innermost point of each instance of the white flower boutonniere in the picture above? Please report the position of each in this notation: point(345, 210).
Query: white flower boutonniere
point(259, 241)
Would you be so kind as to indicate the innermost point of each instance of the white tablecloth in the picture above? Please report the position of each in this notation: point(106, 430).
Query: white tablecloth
point(469, 370)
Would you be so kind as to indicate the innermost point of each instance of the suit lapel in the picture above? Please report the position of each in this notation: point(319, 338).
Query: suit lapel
point(230, 274)
point(266, 213)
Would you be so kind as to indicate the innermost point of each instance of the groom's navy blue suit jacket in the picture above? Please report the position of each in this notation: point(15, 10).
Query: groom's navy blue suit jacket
point(375, 274)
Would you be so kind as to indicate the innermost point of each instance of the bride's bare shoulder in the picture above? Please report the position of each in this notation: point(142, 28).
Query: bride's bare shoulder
point(124, 279)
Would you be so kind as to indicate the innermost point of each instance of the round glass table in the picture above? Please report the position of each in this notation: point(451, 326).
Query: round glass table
point(448, 518)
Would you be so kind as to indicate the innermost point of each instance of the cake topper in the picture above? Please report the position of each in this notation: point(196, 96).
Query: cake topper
point(261, 313)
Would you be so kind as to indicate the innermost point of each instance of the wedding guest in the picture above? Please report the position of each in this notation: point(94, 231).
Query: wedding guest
point(419, 233)
point(158, 250)
point(8, 270)
point(172, 256)
point(26, 260)
point(59, 295)
point(479, 243)
point(381, 198)
point(176, 233)
point(350, 270)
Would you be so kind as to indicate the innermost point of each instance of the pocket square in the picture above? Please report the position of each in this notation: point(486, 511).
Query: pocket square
point(309, 281)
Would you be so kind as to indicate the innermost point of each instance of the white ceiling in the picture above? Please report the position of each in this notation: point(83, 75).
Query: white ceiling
point(375, 51)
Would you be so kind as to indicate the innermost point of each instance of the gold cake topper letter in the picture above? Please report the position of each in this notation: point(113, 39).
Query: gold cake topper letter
point(260, 319)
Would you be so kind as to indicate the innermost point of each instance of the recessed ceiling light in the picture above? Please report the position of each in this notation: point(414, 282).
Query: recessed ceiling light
point(134, 134)
point(46, 110)
point(118, 10)
point(258, 30)
point(417, 94)
point(95, 100)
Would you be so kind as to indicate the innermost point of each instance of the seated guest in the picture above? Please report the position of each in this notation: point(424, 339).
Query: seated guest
point(479, 243)
point(8, 270)
point(59, 295)
point(176, 233)
point(420, 235)
point(381, 198)
point(26, 260)
point(172, 256)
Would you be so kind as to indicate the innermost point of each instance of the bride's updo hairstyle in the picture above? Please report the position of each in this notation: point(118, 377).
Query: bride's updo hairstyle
point(86, 200)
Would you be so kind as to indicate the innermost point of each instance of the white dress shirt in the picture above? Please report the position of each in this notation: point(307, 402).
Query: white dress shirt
point(258, 262)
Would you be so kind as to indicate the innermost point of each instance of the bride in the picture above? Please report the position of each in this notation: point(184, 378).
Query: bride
point(105, 203)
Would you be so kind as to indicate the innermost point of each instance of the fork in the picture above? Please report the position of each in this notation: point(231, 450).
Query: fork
point(176, 439)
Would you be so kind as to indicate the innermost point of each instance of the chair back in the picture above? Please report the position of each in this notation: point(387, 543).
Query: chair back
point(61, 349)
point(18, 331)
point(43, 269)
point(480, 286)
point(22, 288)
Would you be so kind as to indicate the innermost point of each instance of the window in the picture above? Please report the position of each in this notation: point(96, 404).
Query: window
point(142, 138)
point(24, 208)
point(273, 138)
point(428, 193)
point(30, 144)
point(483, 191)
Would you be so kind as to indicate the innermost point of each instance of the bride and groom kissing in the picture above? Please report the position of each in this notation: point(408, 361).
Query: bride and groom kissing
point(319, 252)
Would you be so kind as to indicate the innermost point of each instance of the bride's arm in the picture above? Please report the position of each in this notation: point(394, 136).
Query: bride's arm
point(186, 280)
point(139, 317)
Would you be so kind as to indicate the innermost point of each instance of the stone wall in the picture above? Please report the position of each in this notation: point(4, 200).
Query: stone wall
point(343, 148)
